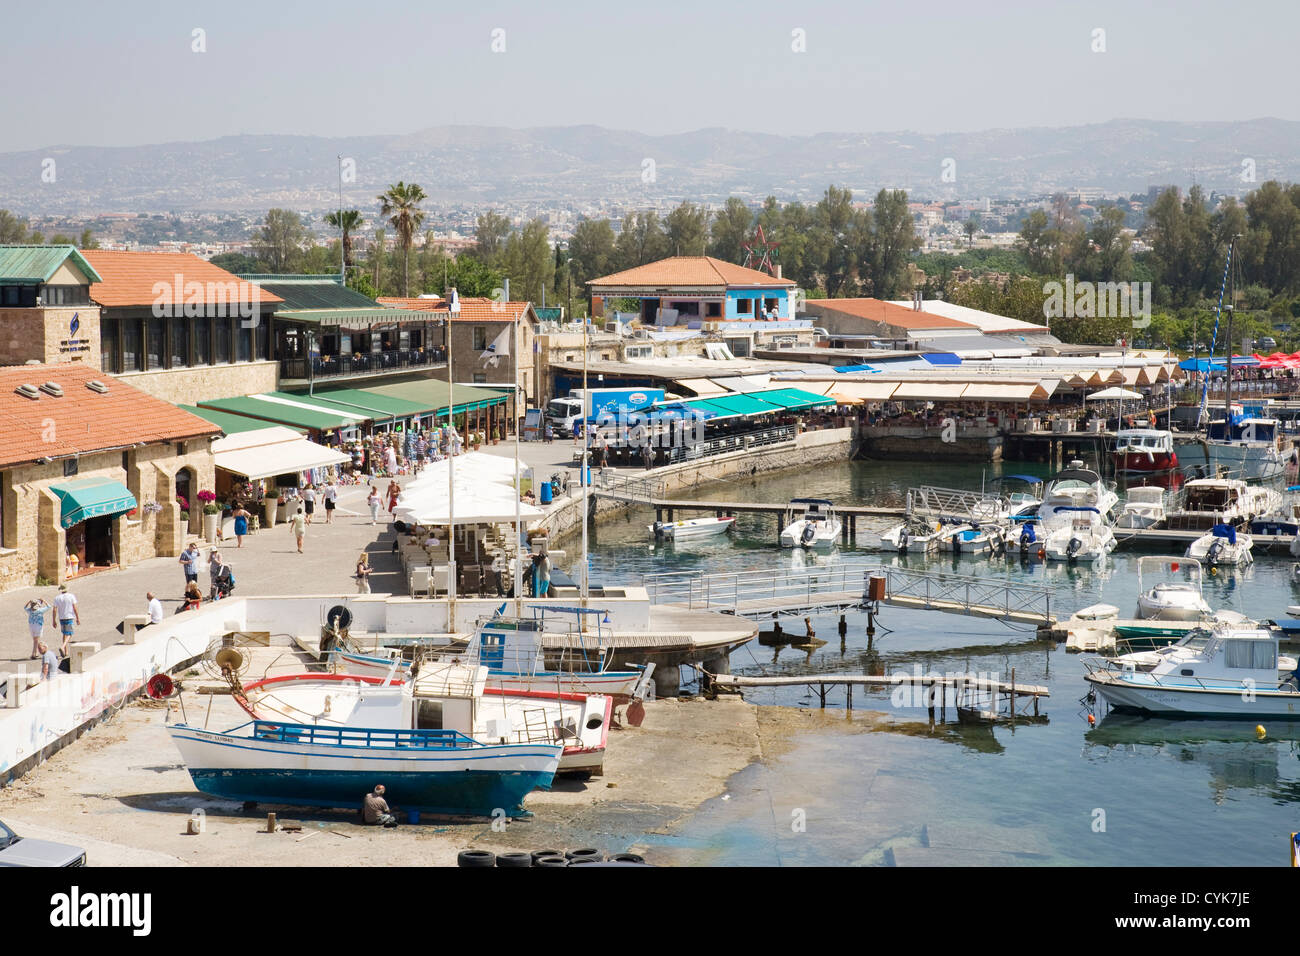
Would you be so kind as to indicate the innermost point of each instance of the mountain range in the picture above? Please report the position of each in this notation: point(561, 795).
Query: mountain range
point(585, 167)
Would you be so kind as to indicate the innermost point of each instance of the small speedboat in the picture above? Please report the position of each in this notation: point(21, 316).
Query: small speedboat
point(1224, 671)
point(1087, 537)
point(810, 523)
point(1144, 508)
point(916, 535)
point(974, 539)
point(1222, 546)
point(691, 528)
point(1171, 600)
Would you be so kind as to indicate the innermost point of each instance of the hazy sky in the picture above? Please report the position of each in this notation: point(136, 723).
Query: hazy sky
point(123, 72)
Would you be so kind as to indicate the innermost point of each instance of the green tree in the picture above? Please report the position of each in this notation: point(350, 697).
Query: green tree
point(970, 227)
point(469, 276)
point(346, 221)
point(87, 240)
point(279, 243)
point(237, 262)
point(527, 260)
point(891, 244)
point(401, 206)
point(12, 229)
point(686, 228)
point(591, 250)
point(435, 264)
point(731, 229)
point(490, 234)
point(641, 240)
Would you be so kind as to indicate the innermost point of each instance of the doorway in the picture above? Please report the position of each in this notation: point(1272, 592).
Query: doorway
point(92, 542)
point(185, 496)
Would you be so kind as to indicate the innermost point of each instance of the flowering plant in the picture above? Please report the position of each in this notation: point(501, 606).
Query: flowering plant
point(207, 497)
point(185, 505)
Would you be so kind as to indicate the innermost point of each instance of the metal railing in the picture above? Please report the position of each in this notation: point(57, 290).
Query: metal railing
point(331, 367)
point(361, 737)
point(627, 488)
point(941, 589)
point(730, 590)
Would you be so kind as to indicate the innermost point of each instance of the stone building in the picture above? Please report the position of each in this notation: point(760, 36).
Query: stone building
point(91, 467)
point(46, 313)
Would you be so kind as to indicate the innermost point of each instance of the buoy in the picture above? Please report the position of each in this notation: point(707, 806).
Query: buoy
point(1091, 720)
point(1259, 729)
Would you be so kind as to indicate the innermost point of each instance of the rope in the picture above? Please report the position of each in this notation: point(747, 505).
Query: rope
point(1214, 339)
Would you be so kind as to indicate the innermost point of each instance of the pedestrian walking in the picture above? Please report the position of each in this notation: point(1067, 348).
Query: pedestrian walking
point(65, 611)
point(36, 611)
point(189, 562)
point(309, 501)
point(215, 564)
point(363, 573)
point(241, 524)
point(331, 501)
point(394, 492)
point(375, 503)
point(298, 525)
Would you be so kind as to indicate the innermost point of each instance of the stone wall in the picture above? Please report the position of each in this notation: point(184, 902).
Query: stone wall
point(187, 386)
point(44, 333)
point(35, 542)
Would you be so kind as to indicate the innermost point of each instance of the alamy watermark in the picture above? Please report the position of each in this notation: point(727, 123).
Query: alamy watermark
point(1098, 300)
point(219, 300)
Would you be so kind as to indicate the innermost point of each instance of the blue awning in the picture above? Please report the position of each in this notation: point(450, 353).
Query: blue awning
point(942, 358)
point(92, 498)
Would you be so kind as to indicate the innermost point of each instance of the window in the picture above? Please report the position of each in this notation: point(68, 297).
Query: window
point(180, 342)
point(131, 353)
point(480, 338)
point(109, 351)
point(202, 340)
point(1251, 655)
point(245, 336)
point(769, 305)
point(156, 342)
point(713, 310)
point(480, 378)
point(263, 339)
point(221, 354)
point(744, 306)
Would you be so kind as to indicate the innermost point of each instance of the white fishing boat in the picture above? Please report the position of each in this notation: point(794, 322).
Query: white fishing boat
point(1248, 447)
point(1144, 508)
point(810, 523)
point(1223, 546)
point(974, 539)
point(1178, 599)
point(1284, 520)
point(513, 649)
point(1073, 488)
point(413, 744)
point(1210, 501)
point(916, 535)
point(690, 528)
point(1191, 644)
point(448, 695)
point(1086, 538)
point(1226, 672)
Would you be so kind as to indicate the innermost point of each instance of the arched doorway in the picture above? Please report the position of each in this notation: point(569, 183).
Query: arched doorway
point(186, 487)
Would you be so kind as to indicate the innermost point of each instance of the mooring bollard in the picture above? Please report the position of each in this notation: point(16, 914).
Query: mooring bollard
point(270, 823)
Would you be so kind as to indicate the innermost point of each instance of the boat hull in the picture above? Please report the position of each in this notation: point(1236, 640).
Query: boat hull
point(1249, 460)
point(1131, 696)
point(694, 528)
point(464, 781)
point(1142, 463)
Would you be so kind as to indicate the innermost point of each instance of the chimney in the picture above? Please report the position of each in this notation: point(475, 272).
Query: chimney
point(778, 270)
point(505, 291)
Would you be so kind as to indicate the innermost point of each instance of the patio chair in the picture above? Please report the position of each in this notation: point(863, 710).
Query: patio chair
point(420, 580)
point(440, 580)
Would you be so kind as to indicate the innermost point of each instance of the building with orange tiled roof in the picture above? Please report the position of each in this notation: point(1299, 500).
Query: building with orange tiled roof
point(847, 319)
point(683, 290)
point(182, 329)
point(90, 473)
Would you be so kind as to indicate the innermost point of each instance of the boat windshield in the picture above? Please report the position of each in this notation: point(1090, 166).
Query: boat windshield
point(1209, 499)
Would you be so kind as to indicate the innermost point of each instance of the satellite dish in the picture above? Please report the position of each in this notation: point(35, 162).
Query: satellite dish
point(229, 659)
point(160, 687)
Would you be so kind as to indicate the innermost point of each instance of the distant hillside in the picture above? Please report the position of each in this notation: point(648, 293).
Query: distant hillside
point(465, 165)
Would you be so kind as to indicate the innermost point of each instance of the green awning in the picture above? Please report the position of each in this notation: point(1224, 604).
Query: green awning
point(362, 401)
point(793, 398)
point(230, 424)
point(92, 498)
point(292, 410)
point(433, 394)
point(740, 404)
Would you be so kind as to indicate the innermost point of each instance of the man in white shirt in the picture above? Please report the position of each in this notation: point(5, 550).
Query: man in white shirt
point(65, 612)
point(155, 609)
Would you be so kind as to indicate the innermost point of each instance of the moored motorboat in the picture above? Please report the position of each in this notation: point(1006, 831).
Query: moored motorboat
point(1230, 672)
point(1144, 508)
point(1284, 520)
point(1144, 451)
point(1171, 600)
point(691, 528)
point(810, 523)
point(1086, 538)
point(1073, 488)
point(1222, 546)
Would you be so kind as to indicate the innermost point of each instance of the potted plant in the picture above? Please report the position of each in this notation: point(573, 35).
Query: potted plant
point(269, 506)
point(211, 515)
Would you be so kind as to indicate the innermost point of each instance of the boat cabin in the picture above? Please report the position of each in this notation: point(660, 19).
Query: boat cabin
point(1227, 656)
point(1207, 502)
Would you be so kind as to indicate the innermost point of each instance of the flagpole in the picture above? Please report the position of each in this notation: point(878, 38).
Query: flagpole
point(584, 476)
point(519, 524)
point(452, 308)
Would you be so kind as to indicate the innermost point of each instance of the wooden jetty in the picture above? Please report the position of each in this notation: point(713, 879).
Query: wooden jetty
point(934, 687)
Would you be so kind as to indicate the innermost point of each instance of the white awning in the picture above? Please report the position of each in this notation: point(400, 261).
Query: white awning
point(702, 387)
point(265, 452)
point(850, 392)
point(928, 390)
point(1004, 392)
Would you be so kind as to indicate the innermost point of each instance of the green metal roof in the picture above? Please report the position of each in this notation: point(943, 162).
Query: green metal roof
point(318, 417)
point(312, 292)
point(793, 398)
point(228, 423)
point(433, 394)
point(32, 265)
point(361, 401)
point(739, 404)
point(354, 318)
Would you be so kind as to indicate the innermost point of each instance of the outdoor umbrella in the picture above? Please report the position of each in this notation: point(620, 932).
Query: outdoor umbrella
point(1114, 394)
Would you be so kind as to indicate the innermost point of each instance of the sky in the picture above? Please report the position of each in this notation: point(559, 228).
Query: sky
point(131, 72)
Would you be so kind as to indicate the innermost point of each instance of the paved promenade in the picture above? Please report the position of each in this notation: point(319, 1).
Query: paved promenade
point(268, 563)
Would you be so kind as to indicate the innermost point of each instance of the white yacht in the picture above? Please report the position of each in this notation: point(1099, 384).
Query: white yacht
point(691, 528)
point(1179, 599)
point(1086, 538)
point(1191, 644)
point(1223, 546)
point(1210, 501)
point(1076, 487)
point(811, 523)
point(1143, 508)
point(974, 539)
point(1225, 671)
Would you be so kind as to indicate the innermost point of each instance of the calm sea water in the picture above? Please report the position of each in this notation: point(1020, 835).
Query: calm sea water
point(1128, 791)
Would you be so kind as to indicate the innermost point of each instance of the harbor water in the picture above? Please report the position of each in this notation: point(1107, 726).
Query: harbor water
point(882, 784)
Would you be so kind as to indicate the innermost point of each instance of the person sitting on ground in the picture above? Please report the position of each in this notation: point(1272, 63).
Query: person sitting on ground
point(193, 597)
point(374, 809)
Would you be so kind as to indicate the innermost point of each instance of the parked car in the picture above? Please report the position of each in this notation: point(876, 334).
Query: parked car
point(1268, 342)
point(21, 851)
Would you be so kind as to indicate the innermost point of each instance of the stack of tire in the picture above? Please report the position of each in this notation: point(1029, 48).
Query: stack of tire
point(479, 859)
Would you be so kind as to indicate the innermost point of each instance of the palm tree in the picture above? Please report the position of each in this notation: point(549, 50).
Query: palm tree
point(401, 205)
point(349, 221)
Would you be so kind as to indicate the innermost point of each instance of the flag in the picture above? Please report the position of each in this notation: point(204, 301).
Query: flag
point(500, 346)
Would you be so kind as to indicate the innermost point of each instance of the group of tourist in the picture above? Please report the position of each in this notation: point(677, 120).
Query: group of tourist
point(389, 455)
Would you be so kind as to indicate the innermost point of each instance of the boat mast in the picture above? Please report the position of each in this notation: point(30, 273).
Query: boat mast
point(453, 309)
point(1214, 338)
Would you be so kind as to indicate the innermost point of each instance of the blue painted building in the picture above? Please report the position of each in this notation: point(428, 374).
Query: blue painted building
point(695, 291)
